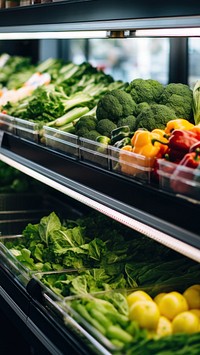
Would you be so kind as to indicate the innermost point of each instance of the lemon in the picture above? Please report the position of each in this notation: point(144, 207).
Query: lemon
point(196, 311)
point(185, 322)
point(145, 313)
point(158, 297)
point(192, 295)
point(172, 304)
point(164, 327)
point(151, 334)
point(138, 295)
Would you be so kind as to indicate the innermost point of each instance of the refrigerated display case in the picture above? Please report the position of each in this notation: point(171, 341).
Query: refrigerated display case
point(169, 219)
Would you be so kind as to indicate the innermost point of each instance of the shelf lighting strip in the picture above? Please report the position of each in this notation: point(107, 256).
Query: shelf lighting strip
point(160, 237)
point(78, 34)
point(53, 35)
point(168, 32)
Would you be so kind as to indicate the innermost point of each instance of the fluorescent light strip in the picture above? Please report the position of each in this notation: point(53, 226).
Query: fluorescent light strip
point(162, 238)
point(169, 32)
point(52, 35)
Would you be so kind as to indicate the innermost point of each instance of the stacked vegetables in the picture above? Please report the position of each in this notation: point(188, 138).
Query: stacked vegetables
point(70, 91)
point(144, 119)
point(108, 261)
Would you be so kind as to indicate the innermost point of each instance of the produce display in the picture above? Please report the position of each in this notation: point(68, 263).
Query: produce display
point(134, 292)
point(57, 93)
point(94, 242)
point(138, 323)
point(144, 298)
point(145, 129)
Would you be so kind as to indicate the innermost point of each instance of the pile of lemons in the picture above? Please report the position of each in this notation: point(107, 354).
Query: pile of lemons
point(166, 313)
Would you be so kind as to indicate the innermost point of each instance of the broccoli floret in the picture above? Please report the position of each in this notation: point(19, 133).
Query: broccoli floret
point(128, 121)
point(86, 121)
point(93, 134)
point(141, 106)
point(178, 96)
point(114, 105)
point(145, 90)
point(156, 116)
point(82, 132)
point(105, 126)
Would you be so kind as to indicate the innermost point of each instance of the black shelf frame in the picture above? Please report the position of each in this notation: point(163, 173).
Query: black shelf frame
point(101, 14)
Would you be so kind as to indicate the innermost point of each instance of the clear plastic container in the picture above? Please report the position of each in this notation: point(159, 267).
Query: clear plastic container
point(11, 3)
point(61, 306)
point(62, 141)
point(64, 306)
point(27, 129)
point(179, 179)
point(94, 153)
point(130, 164)
point(7, 123)
point(21, 273)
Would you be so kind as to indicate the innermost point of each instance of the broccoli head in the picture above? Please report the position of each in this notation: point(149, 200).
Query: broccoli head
point(141, 106)
point(178, 96)
point(156, 116)
point(105, 126)
point(82, 132)
point(86, 121)
point(129, 121)
point(114, 105)
point(92, 135)
point(145, 90)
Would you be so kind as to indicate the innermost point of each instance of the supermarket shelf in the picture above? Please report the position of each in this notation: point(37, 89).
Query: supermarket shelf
point(69, 15)
point(34, 321)
point(161, 216)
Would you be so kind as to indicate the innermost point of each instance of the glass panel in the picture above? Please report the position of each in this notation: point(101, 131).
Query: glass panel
point(194, 60)
point(126, 59)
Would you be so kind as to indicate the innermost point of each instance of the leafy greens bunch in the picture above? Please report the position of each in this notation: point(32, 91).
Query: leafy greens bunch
point(74, 91)
point(119, 256)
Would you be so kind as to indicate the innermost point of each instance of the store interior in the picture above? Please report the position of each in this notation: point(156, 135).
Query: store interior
point(66, 218)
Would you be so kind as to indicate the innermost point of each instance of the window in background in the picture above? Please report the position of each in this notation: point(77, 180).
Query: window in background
point(126, 59)
point(77, 50)
point(194, 60)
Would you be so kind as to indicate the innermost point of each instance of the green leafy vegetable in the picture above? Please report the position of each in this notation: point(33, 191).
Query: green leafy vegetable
point(196, 102)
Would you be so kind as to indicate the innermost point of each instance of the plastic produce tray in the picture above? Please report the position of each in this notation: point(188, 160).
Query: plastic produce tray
point(62, 141)
point(130, 164)
point(11, 229)
point(26, 129)
point(94, 153)
point(7, 123)
point(62, 306)
point(178, 179)
point(21, 273)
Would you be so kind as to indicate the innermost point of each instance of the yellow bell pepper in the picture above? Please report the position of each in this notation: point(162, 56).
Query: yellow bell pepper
point(178, 123)
point(140, 155)
point(196, 129)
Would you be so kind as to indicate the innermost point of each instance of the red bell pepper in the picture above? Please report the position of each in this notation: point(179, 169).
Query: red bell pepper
point(184, 172)
point(179, 144)
point(194, 147)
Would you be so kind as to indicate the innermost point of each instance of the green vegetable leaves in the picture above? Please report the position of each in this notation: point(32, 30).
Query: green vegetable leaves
point(196, 102)
point(48, 225)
